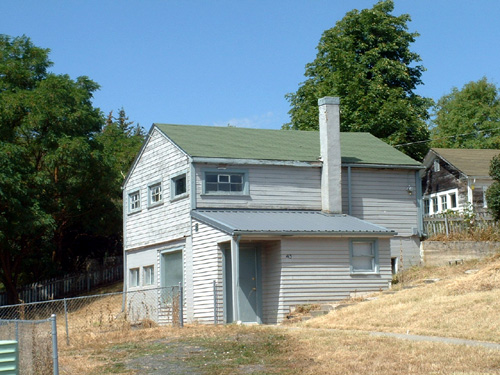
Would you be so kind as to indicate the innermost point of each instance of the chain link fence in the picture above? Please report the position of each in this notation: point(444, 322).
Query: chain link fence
point(37, 344)
point(95, 314)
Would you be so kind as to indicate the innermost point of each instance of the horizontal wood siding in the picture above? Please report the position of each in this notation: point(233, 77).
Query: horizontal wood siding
point(271, 187)
point(380, 196)
point(271, 281)
point(207, 267)
point(317, 270)
point(159, 161)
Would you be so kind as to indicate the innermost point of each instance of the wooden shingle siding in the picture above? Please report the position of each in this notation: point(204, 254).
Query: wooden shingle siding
point(207, 267)
point(271, 187)
point(169, 220)
point(380, 196)
point(317, 270)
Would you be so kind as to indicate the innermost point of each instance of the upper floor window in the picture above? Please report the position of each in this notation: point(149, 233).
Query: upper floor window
point(134, 201)
point(155, 194)
point(225, 182)
point(364, 256)
point(437, 167)
point(178, 186)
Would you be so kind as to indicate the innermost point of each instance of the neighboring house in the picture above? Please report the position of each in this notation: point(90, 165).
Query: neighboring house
point(276, 218)
point(456, 179)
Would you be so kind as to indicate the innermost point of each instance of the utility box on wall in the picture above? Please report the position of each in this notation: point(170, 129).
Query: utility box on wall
point(9, 357)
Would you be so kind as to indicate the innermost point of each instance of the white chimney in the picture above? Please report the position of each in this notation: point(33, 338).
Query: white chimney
point(329, 135)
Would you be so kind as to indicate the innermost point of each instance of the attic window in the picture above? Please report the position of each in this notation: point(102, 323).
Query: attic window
point(155, 194)
point(437, 167)
point(134, 201)
point(225, 182)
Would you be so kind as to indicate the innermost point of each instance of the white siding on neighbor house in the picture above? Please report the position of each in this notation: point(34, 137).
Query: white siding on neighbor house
point(159, 161)
point(318, 270)
point(271, 187)
point(271, 281)
point(380, 196)
point(206, 267)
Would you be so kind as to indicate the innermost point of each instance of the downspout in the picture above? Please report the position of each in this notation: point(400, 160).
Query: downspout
point(192, 175)
point(349, 191)
point(235, 275)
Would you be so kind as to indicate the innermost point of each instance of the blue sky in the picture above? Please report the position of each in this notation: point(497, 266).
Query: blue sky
point(232, 62)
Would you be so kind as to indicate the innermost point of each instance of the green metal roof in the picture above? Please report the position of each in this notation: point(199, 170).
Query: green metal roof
point(267, 144)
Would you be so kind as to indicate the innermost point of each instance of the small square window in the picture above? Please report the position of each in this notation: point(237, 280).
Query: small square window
point(149, 276)
point(134, 277)
point(155, 194)
point(134, 201)
point(179, 186)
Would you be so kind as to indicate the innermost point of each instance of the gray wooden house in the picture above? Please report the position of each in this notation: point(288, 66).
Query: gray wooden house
point(456, 179)
point(276, 218)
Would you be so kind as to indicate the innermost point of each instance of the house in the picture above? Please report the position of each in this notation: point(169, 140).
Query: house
point(273, 218)
point(456, 179)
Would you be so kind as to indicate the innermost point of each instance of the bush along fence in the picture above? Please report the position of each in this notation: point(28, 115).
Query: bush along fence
point(91, 315)
point(68, 286)
point(36, 343)
point(455, 223)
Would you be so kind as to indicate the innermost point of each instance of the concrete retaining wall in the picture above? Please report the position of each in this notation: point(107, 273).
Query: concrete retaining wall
point(437, 253)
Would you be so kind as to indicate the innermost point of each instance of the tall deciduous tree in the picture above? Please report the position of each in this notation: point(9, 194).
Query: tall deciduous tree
point(468, 118)
point(54, 178)
point(366, 60)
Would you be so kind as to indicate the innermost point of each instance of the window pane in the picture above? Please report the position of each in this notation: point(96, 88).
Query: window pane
point(224, 187)
point(362, 249)
point(362, 264)
point(444, 203)
point(210, 186)
point(211, 177)
point(134, 277)
point(426, 206)
point(180, 185)
point(237, 178)
point(453, 200)
point(223, 178)
point(236, 187)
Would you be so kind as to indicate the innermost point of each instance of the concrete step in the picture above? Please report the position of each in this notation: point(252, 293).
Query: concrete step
point(316, 313)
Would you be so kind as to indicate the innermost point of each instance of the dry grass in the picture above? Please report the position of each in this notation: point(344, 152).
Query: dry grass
point(460, 305)
point(485, 233)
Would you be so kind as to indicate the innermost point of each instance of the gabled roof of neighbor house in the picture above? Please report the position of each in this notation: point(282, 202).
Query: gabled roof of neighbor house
point(472, 162)
point(283, 222)
point(282, 145)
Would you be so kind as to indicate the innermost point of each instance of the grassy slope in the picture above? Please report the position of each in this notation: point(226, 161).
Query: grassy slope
point(459, 305)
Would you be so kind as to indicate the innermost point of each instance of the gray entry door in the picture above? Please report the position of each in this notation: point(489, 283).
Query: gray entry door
point(249, 291)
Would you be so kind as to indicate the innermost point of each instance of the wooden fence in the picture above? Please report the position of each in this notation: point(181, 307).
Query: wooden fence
point(70, 285)
point(448, 224)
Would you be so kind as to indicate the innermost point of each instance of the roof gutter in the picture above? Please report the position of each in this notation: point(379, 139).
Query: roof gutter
point(231, 161)
point(378, 166)
point(312, 234)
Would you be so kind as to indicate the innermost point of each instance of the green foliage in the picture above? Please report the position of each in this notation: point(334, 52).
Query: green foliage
point(493, 192)
point(468, 118)
point(366, 61)
point(58, 182)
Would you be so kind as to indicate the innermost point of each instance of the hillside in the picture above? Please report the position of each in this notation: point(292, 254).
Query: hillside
point(452, 301)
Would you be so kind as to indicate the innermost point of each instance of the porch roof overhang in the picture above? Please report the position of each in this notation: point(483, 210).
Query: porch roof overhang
point(288, 223)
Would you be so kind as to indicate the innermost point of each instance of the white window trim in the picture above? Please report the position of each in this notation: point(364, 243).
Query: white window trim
point(440, 196)
point(376, 264)
point(244, 172)
point(131, 272)
point(151, 186)
point(129, 201)
point(173, 179)
point(436, 165)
